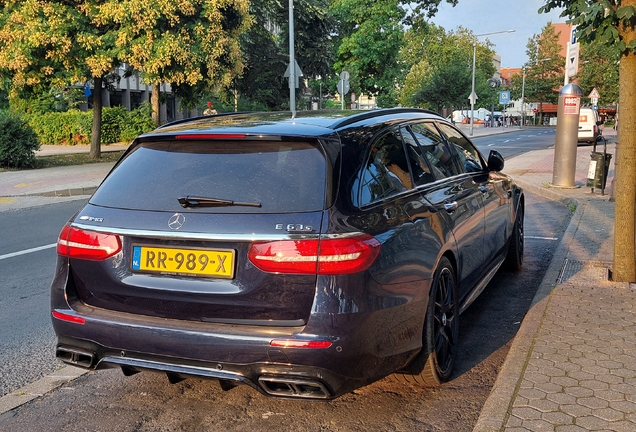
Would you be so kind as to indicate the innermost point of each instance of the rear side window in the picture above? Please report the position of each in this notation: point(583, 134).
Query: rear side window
point(419, 166)
point(469, 158)
point(386, 172)
point(435, 150)
point(280, 176)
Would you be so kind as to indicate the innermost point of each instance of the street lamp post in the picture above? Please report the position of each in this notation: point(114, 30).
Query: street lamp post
point(473, 96)
point(523, 98)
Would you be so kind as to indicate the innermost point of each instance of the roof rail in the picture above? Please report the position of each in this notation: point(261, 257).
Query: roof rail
point(378, 112)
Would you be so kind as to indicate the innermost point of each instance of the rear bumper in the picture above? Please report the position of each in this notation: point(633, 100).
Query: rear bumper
point(231, 354)
point(277, 380)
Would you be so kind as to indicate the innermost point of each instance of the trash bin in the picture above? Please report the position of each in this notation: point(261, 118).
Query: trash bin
point(599, 168)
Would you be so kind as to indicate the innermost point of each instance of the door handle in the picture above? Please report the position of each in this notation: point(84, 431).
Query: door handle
point(450, 206)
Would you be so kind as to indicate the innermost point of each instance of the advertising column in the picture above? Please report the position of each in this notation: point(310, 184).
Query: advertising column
point(567, 133)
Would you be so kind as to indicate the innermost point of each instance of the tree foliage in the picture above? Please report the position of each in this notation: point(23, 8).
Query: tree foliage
point(599, 69)
point(184, 43)
point(369, 43)
point(46, 42)
point(62, 43)
point(266, 49)
point(545, 66)
point(604, 21)
point(440, 67)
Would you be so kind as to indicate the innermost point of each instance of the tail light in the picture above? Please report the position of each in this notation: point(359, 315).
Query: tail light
point(90, 245)
point(316, 256)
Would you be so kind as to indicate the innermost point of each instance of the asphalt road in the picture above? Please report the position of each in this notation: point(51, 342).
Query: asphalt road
point(27, 338)
point(515, 143)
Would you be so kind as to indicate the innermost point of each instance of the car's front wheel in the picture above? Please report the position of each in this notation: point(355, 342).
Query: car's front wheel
point(434, 364)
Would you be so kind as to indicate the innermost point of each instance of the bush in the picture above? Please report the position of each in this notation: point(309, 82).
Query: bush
point(139, 121)
point(18, 141)
point(74, 127)
point(113, 120)
point(65, 128)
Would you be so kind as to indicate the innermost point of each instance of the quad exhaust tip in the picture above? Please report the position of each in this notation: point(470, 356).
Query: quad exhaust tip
point(294, 388)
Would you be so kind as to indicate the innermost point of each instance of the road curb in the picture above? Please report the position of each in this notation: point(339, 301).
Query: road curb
point(495, 412)
point(40, 387)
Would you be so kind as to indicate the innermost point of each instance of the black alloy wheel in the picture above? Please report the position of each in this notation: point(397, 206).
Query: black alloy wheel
point(434, 364)
point(514, 260)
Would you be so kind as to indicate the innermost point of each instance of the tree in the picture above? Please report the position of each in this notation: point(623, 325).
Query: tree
point(600, 71)
point(45, 43)
point(369, 43)
point(613, 22)
point(440, 66)
point(183, 43)
point(544, 69)
point(265, 48)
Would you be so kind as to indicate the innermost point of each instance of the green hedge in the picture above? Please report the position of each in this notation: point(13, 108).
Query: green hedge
point(74, 127)
point(65, 128)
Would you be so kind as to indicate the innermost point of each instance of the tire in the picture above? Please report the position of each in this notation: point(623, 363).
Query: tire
point(514, 259)
point(434, 363)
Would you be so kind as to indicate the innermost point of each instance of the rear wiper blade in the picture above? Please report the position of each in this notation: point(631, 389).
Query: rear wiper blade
point(193, 201)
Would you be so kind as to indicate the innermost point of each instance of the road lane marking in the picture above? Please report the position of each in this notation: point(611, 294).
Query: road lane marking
point(542, 238)
point(27, 251)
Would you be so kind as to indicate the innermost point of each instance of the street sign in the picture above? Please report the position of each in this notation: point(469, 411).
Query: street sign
point(572, 62)
point(504, 97)
point(573, 39)
point(343, 87)
point(344, 76)
point(297, 72)
point(472, 98)
point(594, 94)
point(595, 107)
point(594, 101)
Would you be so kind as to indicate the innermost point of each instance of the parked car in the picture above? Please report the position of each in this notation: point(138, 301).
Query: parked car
point(589, 131)
point(303, 257)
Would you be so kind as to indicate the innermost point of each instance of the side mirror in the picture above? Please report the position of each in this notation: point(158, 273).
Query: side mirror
point(495, 161)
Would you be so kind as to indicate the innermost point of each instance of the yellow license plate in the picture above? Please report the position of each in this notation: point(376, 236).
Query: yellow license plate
point(195, 262)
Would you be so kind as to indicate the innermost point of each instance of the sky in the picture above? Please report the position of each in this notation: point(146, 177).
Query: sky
point(486, 16)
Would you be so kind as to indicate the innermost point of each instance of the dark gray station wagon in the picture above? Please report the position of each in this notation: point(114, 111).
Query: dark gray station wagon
point(303, 257)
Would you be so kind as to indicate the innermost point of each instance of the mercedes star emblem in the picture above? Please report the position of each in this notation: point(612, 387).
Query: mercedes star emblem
point(176, 221)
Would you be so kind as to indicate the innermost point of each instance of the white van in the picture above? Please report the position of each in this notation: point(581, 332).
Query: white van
point(588, 126)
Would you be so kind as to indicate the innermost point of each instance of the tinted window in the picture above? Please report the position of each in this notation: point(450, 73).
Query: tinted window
point(419, 167)
point(468, 154)
point(435, 150)
point(281, 176)
point(386, 172)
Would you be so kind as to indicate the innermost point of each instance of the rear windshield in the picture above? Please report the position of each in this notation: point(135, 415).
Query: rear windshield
point(280, 176)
